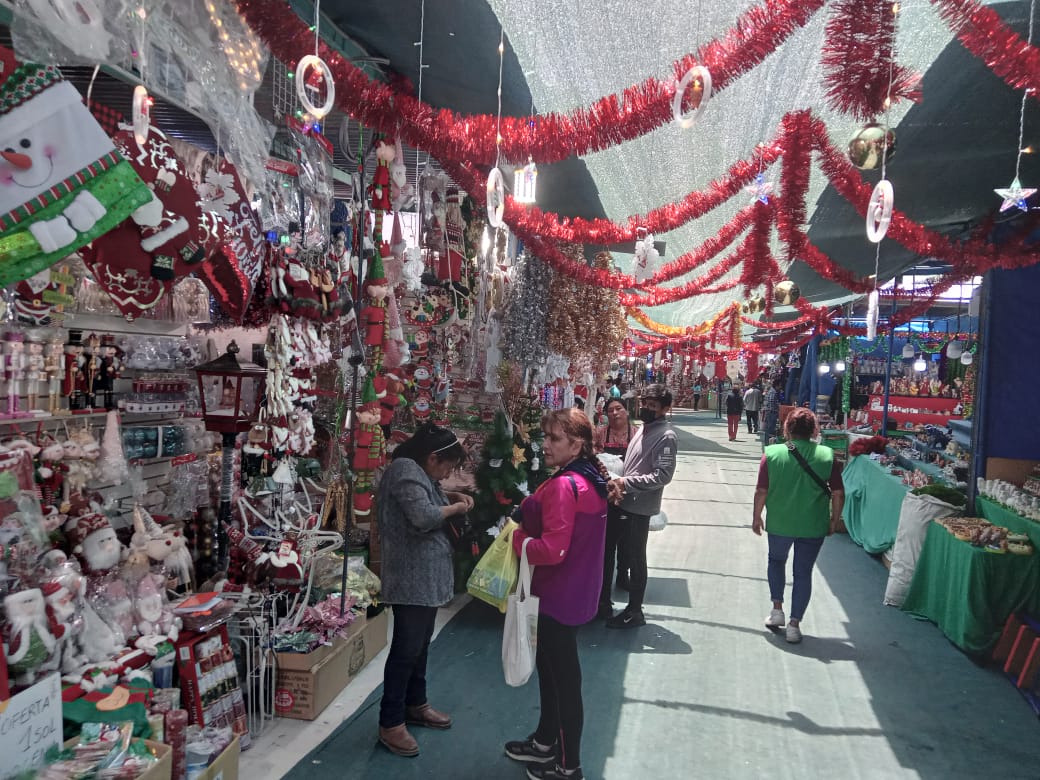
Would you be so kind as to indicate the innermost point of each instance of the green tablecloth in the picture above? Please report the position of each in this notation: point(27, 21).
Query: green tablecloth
point(969, 592)
point(872, 501)
point(999, 515)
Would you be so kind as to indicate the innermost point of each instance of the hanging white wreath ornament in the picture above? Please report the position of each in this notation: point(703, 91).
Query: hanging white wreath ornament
point(302, 85)
point(703, 77)
point(496, 198)
point(879, 210)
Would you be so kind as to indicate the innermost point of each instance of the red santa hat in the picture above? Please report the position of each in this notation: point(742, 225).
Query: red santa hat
point(80, 528)
point(50, 588)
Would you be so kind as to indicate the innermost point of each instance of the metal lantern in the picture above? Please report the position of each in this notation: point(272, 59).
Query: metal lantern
point(228, 413)
point(525, 181)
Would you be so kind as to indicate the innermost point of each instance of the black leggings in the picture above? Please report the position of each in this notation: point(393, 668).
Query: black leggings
point(559, 683)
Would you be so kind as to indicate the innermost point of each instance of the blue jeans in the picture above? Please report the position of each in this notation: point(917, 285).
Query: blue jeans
point(770, 420)
point(805, 552)
point(404, 676)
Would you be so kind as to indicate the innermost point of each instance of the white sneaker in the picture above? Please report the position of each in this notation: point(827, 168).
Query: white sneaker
point(776, 619)
point(794, 634)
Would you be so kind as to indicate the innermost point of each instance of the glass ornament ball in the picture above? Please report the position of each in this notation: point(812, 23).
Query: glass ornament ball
point(786, 293)
point(872, 143)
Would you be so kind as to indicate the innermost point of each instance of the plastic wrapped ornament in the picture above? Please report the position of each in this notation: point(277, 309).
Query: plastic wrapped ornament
point(786, 293)
point(870, 145)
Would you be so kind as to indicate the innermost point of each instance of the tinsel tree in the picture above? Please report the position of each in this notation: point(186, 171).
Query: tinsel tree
point(586, 321)
point(527, 312)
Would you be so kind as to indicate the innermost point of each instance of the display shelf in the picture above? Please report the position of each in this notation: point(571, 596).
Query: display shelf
point(961, 431)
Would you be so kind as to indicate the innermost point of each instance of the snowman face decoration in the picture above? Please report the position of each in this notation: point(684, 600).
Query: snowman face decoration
point(45, 140)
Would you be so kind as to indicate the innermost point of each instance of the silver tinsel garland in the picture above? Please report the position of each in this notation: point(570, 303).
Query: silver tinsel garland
point(526, 314)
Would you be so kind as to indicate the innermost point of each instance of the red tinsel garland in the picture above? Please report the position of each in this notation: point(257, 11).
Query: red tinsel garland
point(794, 181)
point(857, 59)
point(548, 137)
point(660, 220)
point(982, 32)
point(657, 296)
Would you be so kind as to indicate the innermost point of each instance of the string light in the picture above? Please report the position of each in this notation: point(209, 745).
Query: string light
point(243, 50)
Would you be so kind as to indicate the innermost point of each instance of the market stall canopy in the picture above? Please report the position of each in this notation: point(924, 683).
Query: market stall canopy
point(954, 147)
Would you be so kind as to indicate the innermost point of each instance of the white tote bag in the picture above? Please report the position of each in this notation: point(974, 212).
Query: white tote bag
point(520, 637)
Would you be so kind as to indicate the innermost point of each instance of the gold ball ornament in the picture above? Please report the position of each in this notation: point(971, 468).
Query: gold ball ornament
point(872, 143)
point(786, 293)
point(757, 303)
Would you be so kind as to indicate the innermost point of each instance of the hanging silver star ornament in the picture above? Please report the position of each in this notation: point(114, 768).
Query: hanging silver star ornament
point(1015, 195)
point(761, 189)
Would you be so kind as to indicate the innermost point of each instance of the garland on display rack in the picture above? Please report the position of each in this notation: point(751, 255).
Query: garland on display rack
point(525, 319)
point(546, 138)
point(858, 57)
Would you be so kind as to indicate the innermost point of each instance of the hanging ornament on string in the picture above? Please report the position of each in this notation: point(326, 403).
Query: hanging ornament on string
point(700, 77)
point(496, 196)
point(1016, 195)
point(314, 78)
point(879, 210)
point(761, 190)
point(141, 115)
point(871, 146)
point(786, 293)
point(646, 256)
point(872, 314)
point(525, 181)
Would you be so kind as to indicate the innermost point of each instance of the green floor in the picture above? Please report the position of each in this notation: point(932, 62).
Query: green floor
point(703, 690)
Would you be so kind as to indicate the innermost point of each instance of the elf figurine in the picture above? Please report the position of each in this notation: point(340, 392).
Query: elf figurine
point(379, 189)
point(369, 449)
point(373, 316)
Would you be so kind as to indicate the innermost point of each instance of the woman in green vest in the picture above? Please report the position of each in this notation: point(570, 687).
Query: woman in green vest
point(800, 487)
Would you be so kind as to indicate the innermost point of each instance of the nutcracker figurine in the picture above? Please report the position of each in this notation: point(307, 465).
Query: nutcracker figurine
point(75, 371)
point(111, 363)
point(14, 369)
point(35, 371)
point(92, 369)
point(54, 366)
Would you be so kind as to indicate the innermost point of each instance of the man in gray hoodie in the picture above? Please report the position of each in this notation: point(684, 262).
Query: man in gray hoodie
point(649, 466)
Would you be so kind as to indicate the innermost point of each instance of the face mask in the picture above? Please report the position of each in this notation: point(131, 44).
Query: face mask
point(647, 415)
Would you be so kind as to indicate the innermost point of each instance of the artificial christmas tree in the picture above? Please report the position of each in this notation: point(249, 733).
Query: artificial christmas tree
point(499, 477)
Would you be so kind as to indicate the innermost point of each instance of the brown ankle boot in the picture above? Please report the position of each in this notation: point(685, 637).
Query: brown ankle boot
point(398, 741)
point(425, 715)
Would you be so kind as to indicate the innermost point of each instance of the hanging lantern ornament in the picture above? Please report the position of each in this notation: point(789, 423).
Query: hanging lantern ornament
point(496, 198)
point(967, 358)
point(313, 75)
point(920, 365)
point(954, 349)
point(870, 145)
point(141, 116)
point(879, 210)
point(525, 182)
point(701, 79)
point(786, 293)
point(908, 351)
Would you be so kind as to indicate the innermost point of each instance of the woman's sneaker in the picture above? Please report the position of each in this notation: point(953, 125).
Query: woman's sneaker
point(530, 751)
point(776, 619)
point(794, 634)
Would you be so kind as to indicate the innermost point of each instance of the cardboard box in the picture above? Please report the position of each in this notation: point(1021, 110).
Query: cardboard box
point(303, 693)
point(161, 770)
point(226, 765)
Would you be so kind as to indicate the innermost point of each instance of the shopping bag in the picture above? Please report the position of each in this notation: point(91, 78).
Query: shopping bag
point(494, 577)
point(658, 521)
point(520, 636)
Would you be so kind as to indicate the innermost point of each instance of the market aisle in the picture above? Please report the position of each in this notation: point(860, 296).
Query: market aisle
point(704, 690)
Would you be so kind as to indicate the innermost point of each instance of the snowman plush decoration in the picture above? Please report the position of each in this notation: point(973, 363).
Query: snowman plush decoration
point(62, 182)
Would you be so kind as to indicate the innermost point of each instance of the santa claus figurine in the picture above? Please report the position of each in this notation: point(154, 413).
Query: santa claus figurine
point(94, 542)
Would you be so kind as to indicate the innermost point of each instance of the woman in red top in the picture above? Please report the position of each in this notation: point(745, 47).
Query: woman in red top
point(566, 522)
point(613, 439)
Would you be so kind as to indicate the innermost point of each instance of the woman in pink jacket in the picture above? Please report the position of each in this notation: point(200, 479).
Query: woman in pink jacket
point(566, 519)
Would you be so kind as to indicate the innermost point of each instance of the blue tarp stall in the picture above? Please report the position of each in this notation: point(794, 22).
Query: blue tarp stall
point(1008, 373)
point(809, 386)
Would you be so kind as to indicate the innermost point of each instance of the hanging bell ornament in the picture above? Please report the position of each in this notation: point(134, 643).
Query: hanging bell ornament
point(872, 143)
point(786, 293)
point(757, 303)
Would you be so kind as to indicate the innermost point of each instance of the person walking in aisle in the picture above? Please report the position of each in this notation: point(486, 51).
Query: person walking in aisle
point(752, 405)
point(566, 521)
point(770, 411)
point(734, 410)
point(800, 488)
point(613, 439)
point(417, 575)
point(698, 388)
point(649, 466)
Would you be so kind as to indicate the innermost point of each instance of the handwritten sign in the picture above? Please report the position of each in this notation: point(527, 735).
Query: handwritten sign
point(29, 726)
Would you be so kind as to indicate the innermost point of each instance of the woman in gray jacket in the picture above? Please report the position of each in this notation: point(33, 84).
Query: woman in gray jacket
point(417, 575)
